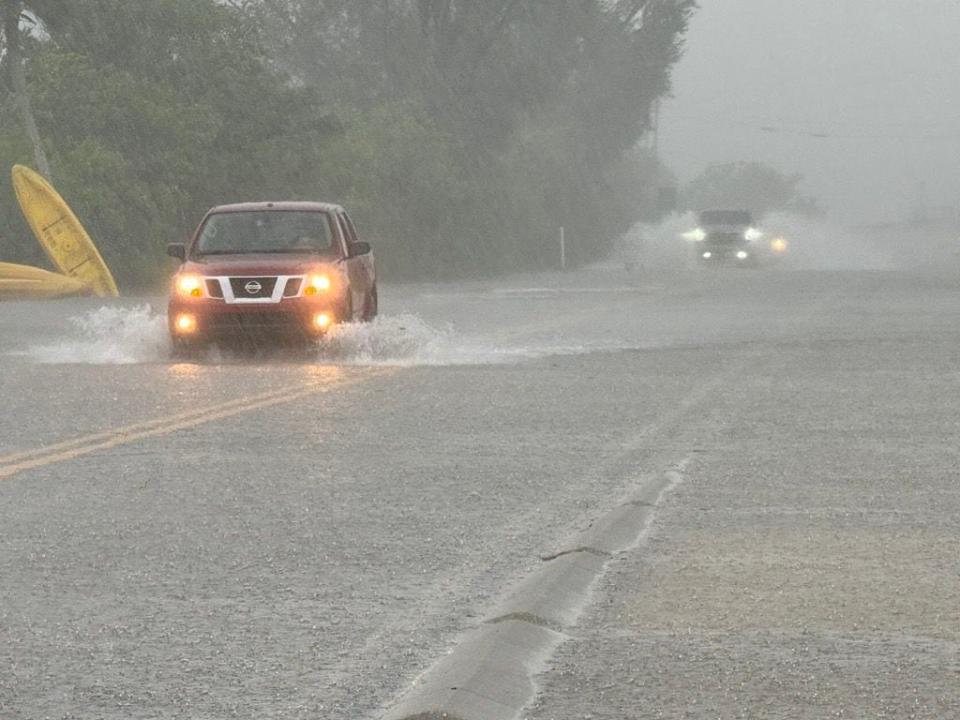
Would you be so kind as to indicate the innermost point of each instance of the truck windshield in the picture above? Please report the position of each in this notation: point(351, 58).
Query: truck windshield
point(265, 231)
point(726, 217)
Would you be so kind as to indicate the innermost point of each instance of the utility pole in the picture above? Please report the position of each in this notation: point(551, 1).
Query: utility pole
point(18, 82)
point(563, 248)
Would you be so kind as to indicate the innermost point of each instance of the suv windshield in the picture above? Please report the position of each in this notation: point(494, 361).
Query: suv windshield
point(265, 231)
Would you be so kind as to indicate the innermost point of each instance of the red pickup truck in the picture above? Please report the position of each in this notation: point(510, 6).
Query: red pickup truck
point(270, 271)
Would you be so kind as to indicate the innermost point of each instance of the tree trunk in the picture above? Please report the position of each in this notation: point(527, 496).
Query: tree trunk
point(18, 82)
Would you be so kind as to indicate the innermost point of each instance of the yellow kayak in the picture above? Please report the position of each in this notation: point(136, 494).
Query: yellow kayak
point(22, 282)
point(60, 233)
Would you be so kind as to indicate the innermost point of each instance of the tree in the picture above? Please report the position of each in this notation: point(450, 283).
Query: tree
point(461, 132)
point(160, 110)
point(12, 12)
point(538, 100)
point(749, 186)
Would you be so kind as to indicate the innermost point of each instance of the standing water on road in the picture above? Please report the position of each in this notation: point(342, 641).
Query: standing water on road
point(434, 328)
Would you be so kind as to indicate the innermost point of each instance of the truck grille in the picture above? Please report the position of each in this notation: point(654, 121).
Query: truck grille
point(239, 322)
point(726, 237)
point(252, 288)
point(255, 329)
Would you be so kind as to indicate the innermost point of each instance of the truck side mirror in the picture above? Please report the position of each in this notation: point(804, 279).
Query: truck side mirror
point(177, 250)
point(359, 248)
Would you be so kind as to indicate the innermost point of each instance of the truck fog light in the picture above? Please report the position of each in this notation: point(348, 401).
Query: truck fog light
point(185, 324)
point(322, 321)
point(743, 255)
point(707, 255)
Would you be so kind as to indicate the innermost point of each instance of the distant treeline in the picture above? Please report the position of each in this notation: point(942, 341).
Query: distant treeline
point(461, 133)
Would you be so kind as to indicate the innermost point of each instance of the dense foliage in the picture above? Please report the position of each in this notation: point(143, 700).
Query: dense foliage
point(749, 186)
point(461, 133)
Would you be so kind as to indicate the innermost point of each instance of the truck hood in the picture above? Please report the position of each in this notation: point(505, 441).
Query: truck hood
point(725, 229)
point(259, 264)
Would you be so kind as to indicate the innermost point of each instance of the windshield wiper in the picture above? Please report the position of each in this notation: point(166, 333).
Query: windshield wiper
point(275, 251)
point(291, 251)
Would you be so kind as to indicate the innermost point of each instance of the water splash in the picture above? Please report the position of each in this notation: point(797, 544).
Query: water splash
point(658, 246)
point(117, 335)
point(110, 336)
point(816, 244)
point(389, 340)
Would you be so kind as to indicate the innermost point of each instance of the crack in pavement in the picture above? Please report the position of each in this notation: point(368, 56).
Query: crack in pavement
point(583, 549)
point(527, 618)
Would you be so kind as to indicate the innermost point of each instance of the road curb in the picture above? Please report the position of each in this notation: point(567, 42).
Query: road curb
point(490, 674)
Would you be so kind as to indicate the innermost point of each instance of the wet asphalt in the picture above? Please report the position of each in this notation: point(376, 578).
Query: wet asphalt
point(301, 537)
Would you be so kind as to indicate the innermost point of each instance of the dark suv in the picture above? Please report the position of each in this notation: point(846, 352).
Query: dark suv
point(270, 270)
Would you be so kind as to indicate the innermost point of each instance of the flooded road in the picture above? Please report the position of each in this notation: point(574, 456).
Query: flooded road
point(303, 536)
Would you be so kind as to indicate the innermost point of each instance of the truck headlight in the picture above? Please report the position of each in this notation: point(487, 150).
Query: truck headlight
point(743, 255)
point(189, 285)
point(317, 284)
point(752, 235)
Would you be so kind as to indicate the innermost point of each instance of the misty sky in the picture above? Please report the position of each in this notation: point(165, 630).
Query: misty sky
point(880, 77)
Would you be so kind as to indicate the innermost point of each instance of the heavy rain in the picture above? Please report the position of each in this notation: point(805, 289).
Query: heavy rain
point(479, 359)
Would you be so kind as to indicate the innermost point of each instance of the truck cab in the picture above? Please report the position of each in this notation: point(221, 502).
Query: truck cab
point(727, 236)
point(270, 271)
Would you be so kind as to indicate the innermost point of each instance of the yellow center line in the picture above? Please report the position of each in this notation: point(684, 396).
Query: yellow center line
point(136, 427)
point(61, 452)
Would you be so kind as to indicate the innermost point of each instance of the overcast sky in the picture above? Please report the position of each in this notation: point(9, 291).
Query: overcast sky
point(881, 78)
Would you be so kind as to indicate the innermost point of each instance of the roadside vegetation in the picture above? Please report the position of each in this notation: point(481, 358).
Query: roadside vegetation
point(461, 133)
point(749, 186)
